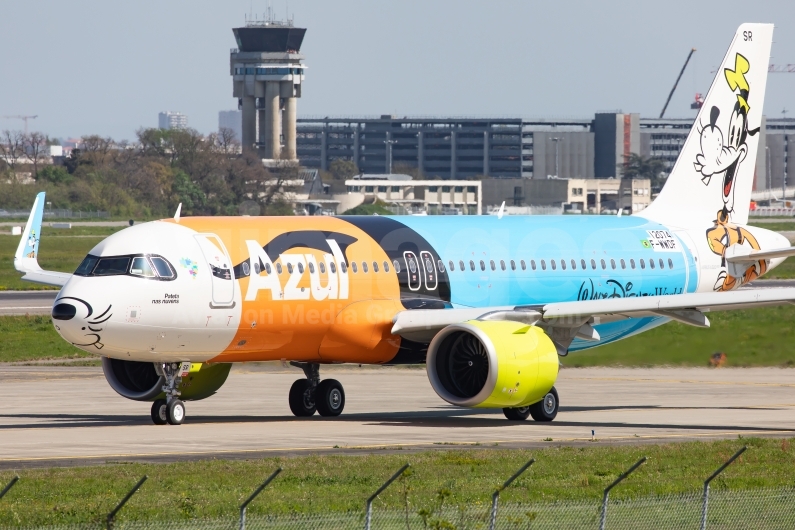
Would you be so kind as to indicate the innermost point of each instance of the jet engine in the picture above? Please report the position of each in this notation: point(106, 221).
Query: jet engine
point(492, 364)
point(141, 382)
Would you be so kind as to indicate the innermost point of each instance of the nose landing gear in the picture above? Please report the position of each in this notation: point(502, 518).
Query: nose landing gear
point(308, 395)
point(170, 410)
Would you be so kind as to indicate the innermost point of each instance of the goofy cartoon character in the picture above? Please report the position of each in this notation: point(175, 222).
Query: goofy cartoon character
point(721, 155)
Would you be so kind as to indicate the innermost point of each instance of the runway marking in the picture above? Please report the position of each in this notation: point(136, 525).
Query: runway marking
point(691, 381)
point(392, 446)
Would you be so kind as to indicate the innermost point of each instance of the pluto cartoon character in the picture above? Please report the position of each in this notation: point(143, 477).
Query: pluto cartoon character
point(722, 155)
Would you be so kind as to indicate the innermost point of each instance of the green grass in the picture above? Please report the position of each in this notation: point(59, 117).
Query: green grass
point(33, 338)
point(782, 226)
point(59, 250)
point(756, 337)
point(311, 484)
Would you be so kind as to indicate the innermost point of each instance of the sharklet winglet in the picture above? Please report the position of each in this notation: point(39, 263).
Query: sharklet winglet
point(176, 214)
point(26, 256)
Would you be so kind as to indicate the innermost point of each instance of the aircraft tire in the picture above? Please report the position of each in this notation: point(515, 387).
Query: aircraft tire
point(301, 404)
point(330, 398)
point(159, 412)
point(175, 412)
point(547, 408)
point(516, 413)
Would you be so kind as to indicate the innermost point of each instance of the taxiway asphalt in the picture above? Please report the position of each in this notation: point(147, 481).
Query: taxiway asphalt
point(70, 416)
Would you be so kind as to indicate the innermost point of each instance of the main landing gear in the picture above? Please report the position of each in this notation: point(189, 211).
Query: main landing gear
point(544, 410)
point(170, 410)
point(311, 394)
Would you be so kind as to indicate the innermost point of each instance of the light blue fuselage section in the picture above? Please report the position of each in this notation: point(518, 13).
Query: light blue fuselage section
point(566, 258)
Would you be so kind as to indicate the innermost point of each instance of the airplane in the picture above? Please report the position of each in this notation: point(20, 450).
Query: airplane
point(488, 303)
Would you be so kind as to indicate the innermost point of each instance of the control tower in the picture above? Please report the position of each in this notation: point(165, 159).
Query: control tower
point(267, 73)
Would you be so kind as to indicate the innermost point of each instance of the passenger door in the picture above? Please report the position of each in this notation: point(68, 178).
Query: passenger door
point(220, 268)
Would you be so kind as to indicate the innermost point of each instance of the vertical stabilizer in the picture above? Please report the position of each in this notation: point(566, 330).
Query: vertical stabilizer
point(714, 174)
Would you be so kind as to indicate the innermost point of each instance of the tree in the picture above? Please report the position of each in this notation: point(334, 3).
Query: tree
point(187, 192)
point(55, 175)
point(12, 147)
point(636, 166)
point(343, 169)
point(37, 147)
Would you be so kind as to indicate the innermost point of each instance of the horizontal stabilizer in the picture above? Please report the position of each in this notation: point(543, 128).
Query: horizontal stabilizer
point(743, 254)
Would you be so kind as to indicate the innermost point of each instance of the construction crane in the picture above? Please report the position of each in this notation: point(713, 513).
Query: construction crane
point(689, 55)
point(23, 118)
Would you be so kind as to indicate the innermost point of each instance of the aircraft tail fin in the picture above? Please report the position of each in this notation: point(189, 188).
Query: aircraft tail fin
point(714, 174)
point(26, 256)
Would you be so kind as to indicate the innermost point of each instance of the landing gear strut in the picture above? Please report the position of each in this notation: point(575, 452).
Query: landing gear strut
point(170, 410)
point(311, 394)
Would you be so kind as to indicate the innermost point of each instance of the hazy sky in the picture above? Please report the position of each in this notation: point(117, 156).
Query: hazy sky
point(94, 66)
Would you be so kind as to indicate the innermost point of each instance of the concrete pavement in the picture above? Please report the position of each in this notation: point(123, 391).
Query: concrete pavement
point(70, 416)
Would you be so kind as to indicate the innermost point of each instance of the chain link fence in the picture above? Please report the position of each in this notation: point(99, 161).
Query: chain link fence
point(728, 510)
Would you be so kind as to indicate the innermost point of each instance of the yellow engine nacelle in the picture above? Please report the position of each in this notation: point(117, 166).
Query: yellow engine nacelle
point(492, 364)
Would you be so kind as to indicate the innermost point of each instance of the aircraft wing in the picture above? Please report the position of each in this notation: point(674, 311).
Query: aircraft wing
point(578, 316)
point(26, 256)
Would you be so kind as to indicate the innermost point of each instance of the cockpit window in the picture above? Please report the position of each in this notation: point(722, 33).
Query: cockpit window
point(139, 265)
point(85, 268)
point(164, 268)
point(111, 266)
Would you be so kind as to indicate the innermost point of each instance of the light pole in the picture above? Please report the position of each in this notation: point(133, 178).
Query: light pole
point(557, 157)
point(389, 143)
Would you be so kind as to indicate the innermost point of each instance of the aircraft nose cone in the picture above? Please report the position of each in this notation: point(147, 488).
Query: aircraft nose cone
point(64, 311)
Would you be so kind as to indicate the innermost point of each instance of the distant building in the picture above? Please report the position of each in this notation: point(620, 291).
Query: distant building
point(405, 195)
point(232, 120)
point(172, 120)
point(516, 148)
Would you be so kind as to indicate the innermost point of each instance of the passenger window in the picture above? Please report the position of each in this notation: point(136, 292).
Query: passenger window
point(662, 265)
point(523, 265)
point(513, 265)
point(623, 264)
point(562, 264)
point(573, 265)
point(554, 266)
point(632, 263)
point(375, 266)
point(364, 266)
point(492, 265)
point(613, 264)
point(533, 264)
point(333, 268)
point(396, 264)
point(386, 266)
point(343, 267)
point(651, 263)
point(471, 265)
point(440, 265)
point(290, 268)
point(461, 265)
point(311, 268)
point(582, 264)
point(87, 265)
point(502, 264)
point(642, 264)
point(452, 265)
point(111, 266)
point(670, 263)
point(543, 265)
point(593, 264)
point(279, 268)
point(604, 265)
point(301, 267)
point(322, 267)
point(141, 267)
point(354, 268)
point(482, 265)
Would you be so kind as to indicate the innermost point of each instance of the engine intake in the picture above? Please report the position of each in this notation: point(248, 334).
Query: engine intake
point(492, 364)
point(140, 381)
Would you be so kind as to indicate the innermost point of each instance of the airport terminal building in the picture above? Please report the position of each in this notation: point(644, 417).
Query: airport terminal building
point(463, 148)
